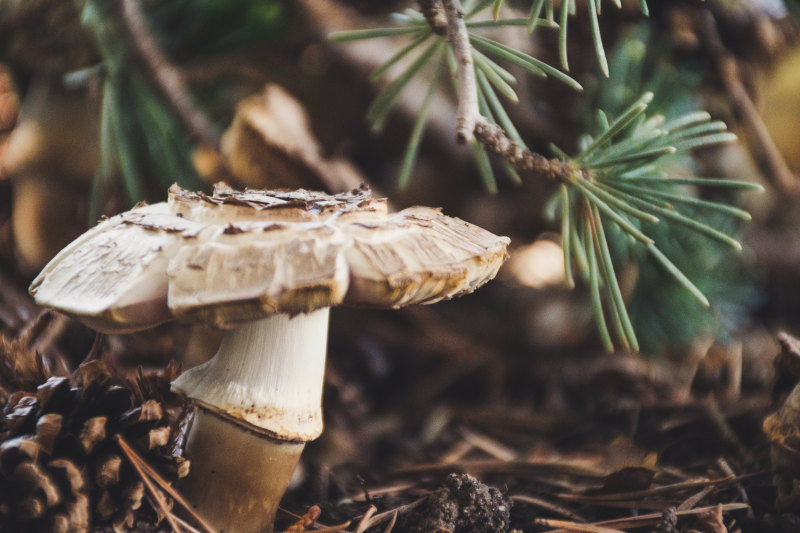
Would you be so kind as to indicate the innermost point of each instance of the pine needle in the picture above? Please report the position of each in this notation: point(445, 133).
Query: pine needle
point(147, 472)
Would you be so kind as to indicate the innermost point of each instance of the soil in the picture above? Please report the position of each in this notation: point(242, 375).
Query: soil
point(461, 505)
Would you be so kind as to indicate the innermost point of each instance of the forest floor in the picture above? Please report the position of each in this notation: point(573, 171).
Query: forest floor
point(429, 428)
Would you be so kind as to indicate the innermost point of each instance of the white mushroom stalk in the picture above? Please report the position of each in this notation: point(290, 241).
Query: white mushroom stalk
point(253, 382)
point(267, 266)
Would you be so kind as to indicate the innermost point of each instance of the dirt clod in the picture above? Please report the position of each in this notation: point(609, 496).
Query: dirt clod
point(669, 521)
point(461, 505)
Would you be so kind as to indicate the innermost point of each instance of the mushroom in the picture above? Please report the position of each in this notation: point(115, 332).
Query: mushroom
point(266, 266)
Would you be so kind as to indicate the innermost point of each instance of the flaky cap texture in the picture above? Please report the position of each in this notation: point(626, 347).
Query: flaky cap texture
point(236, 256)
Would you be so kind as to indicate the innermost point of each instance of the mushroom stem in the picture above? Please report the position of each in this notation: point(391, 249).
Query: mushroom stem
point(237, 477)
point(260, 399)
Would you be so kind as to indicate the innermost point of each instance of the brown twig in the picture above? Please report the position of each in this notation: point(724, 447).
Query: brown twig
point(147, 471)
point(574, 526)
point(547, 506)
point(185, 525)
point(640, 521)
point(728, 471)
point(156, 494)
point(370, 519)
point(165, 75)
point(364, 523)
point(382, 491)
point(469, 121)
point(467, 112)
point(633, 495)
point(694, 499)
point(487, 444)
point(525, 469)
point(318, 526)
point(332, 529)
point(495, 140)
point(767, 155)
point(434, 14)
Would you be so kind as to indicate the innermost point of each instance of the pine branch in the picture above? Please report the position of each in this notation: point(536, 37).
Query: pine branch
point(470, 122)
point(612, 187)
point(767, 155)
point(495, 140)
point(166, 76)
point(434, 14)
point(467, 113)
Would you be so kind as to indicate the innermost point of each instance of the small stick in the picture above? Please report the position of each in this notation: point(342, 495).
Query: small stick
point(364, 523)
point(548, 506)
point(495, 140)
point(651, 519)
point(693, 500)
point(767, 155)
point(136, 459)
point(332, 529)
point(392, 522)
point(154, 492)
point(467, 112)
point(574, 526)
point(166, 75)
point(382, 491)
point(369, 520)
point(519, 467)
point(489, 445)
point(469, 121)
point(321, 528)
point(719, 422)
point(728, 471)
point(675, 487)
point(434, 14)
point(185, 525)
point(457, 452)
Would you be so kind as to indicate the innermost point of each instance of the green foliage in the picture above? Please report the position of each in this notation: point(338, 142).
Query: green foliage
point(678, 319)
point(143, 141)
point(621, 184)
point(493, 79)
point(567, 8)
point(621, 203)
point(640, 61)
point(433, 54)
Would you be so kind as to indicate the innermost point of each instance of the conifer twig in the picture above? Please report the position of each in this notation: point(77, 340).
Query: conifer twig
point(767, 155)
point(148, 474)
point(166, 76)
point(434, 14)
point(468, 112)
point(469, 121)
point(495, 140)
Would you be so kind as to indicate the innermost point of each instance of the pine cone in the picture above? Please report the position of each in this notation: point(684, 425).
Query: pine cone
point(61, 468)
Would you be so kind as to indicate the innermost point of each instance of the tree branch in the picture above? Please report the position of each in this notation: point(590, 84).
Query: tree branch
point(434, 14)
point(467, 113)
point(165, 75)
point(766, 154)
point(469, 121)
point(495, 140)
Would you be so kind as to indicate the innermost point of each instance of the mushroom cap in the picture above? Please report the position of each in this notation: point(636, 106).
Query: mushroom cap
point(232, 257)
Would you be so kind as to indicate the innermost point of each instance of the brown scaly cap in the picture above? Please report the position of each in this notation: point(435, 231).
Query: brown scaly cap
point(231, 257)
point(228, 204)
